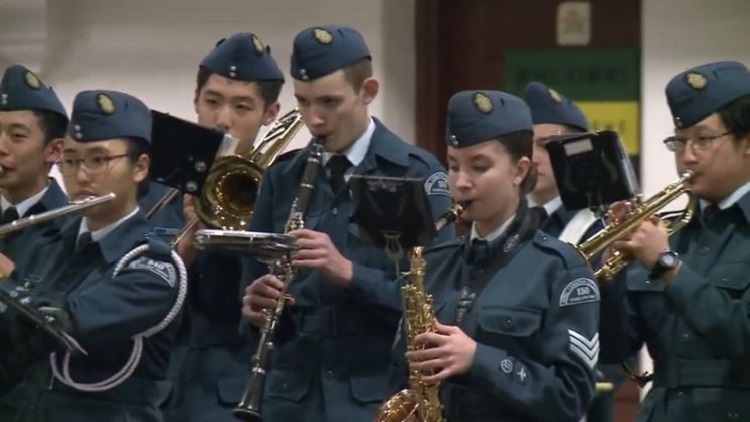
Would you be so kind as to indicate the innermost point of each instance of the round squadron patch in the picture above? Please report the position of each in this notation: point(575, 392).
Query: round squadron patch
point(483, 103)
point(32, 80)
point(322, 35)
point(579, 291)
point(696, 80)
point(106, 105)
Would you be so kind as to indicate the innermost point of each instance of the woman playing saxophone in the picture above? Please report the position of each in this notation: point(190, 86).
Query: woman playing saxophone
point(516, 311)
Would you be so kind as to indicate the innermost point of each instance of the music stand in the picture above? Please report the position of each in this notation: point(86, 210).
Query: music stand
point(392, 213)
point(42, 321)
point(592, 170)
point(182, 152)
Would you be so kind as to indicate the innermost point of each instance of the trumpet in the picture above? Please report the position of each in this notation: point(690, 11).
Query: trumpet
point(647, 210)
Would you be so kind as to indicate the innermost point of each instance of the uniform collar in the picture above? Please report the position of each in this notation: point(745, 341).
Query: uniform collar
point(739, 197)
point(117, 238)
point(383, 144)
point(356, 151)
point(23, 206)
point(495, 234)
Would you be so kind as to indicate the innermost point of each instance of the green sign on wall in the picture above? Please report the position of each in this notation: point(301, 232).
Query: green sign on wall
point(604, 82)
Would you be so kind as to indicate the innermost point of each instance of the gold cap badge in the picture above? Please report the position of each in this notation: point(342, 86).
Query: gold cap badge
point(258, 45)
point(555, 96)
point(105, 104)
point(696, 80)
point(32, 80)
point(322, 35)
point(483, 103)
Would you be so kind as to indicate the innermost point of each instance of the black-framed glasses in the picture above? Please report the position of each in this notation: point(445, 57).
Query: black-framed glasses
point(94, 164)
point(699, 143)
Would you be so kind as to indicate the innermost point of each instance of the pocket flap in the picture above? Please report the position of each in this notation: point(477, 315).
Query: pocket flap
point(230, 390)
point(518, 322)
point(287, 385)
point(369, 389)
point(732, 282)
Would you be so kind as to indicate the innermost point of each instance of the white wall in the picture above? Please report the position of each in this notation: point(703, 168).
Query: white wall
point(151, 48)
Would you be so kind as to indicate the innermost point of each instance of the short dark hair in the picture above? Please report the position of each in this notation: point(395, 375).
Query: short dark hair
point(358, 72)
point(269, 90)
point(135, 147)
point(521, 144)
point(736, 117)
point(53, 124)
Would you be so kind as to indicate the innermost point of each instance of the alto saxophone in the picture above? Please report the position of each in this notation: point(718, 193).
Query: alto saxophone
point(249, 408)
point(420, 402)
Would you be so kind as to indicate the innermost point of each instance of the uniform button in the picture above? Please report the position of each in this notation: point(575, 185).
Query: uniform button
point(680, 392)
point(284, 385)
point(544, 237)
point(335, 211)
point(704, 250)
point(686, 336)
point(27, 285)
point(733, 416)
point(329, 373)
point(508, 324)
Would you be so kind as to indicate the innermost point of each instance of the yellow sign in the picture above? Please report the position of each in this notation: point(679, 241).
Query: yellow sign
point(622, 117)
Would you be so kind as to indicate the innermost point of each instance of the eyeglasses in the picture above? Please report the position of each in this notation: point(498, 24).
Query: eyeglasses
point(94, 164)
point(700, 143)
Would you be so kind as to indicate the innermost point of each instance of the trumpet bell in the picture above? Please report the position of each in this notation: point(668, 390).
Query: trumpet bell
point(266, 247)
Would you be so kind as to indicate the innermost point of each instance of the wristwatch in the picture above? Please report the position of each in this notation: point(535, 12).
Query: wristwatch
point(668, 260)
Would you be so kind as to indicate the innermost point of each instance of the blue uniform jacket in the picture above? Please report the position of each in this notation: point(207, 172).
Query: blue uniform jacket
point(697, 328)
point(332, 349)
point(535, 324)
point(105, 313)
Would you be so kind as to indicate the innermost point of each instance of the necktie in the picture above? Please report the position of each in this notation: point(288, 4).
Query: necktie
point(9, 215)
point(710, 212)
point(337, 166)
point(541, 213)
point(480, 253)
point(83, 241)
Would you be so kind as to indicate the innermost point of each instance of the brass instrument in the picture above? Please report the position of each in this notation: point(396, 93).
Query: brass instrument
point(249, 408)
point(74, 206)
point(617, 230)
point(420, 402)
point(228, 197)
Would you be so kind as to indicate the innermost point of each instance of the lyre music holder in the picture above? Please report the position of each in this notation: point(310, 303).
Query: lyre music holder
point(182, 152)
point(592, 169)
point(392, 213)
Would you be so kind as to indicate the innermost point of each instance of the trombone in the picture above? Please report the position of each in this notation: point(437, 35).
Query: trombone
point(647, 210)
point(228, 197)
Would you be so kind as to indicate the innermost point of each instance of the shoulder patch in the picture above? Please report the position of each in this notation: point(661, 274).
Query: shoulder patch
point(437, 184)
point(571, 258)
point(579, 291)
point(163, 269)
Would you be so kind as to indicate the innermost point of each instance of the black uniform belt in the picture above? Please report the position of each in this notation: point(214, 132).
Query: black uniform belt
point(133, 390)
point(680, 373)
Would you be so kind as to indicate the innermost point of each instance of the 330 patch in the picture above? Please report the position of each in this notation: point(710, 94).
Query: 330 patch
point(165, 270)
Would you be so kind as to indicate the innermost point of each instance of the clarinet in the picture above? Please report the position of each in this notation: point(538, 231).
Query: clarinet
point(249, 408)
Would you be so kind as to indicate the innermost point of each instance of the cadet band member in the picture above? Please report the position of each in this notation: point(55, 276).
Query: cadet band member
point(97, 280)
point(687, 296)
point(517, 310)
point(237, 91)
point(32, 125)
point(555, 115)
point(332, 352)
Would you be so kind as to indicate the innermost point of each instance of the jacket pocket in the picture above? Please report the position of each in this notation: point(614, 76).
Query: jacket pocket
point(508, 328)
